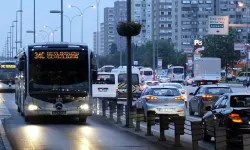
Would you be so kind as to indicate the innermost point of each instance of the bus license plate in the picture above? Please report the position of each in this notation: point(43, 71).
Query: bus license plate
point(58, 112)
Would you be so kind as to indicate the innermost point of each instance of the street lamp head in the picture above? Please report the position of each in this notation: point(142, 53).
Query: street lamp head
point(81, 14)
point(55, 11)
point(94, 6)
point(19, 11)
point(15, 21)
point(70, 6)
point(44, 26)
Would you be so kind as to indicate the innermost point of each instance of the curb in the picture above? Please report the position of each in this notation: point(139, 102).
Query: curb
point(5, 140)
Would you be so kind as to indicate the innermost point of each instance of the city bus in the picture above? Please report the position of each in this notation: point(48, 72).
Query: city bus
point(55, 79)
point(7, 76)
point(176, 74)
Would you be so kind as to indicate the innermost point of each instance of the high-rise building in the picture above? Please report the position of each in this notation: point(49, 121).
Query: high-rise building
point(120, 10)
point(95, 43)
point(141, 13)
point(109, 28)
point(101, 45)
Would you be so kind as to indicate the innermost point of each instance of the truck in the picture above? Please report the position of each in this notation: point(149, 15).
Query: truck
point(207, 70)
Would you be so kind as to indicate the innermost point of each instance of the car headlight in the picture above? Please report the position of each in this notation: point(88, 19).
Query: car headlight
point(84, 107)
point(32, 107)
point(1, 85)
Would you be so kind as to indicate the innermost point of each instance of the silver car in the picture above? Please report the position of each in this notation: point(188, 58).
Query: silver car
point(162, 100)
point(179, 86)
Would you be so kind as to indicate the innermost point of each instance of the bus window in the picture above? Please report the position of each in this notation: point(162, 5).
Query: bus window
point(148, 73)
point(105, 79)
point(178, 70)
point(122, 78)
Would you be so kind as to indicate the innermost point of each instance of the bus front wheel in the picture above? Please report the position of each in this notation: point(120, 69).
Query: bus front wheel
point(27, 118)
point(82, 119)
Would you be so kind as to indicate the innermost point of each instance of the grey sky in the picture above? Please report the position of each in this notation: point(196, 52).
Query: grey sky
point(43, 17)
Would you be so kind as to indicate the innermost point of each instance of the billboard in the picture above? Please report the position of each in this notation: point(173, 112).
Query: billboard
point(159, 63)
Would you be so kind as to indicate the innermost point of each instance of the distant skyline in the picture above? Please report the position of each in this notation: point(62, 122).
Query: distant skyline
point(43, 17)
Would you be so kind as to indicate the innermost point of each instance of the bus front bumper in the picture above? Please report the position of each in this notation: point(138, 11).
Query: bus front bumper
point(55, 112)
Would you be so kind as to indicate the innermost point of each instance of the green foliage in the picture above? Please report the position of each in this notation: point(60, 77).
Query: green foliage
point(143, 54)
point(222, 47)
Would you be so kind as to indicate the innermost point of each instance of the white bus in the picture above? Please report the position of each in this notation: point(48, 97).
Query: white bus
point(176, 73)
point(106, 68)
point(55, 79)
point(147, 74)
point(105, 86)
point(7, 76)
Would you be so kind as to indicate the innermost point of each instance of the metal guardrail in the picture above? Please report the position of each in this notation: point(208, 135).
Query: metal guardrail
point(181, 126)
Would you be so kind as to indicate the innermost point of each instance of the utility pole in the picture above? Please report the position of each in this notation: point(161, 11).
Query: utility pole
point(153, 37)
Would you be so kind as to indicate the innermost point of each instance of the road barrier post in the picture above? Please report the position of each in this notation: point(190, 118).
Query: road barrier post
point(164, 125)
point(132, 115)
point(194, 128)
point(220, 139)
point(139, 118)
point(111, 110)
point(246, 141)
point(150, 122)
point(119, 113)
point(104, 108)
point(179, 130)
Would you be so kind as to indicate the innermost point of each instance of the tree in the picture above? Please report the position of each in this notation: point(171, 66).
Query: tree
point(113, 48)
point(222, 47)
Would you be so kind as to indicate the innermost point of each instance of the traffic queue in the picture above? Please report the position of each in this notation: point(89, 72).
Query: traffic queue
point(215, 104)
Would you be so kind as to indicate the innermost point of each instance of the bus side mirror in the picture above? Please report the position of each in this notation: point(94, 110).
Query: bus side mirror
point(20, 66)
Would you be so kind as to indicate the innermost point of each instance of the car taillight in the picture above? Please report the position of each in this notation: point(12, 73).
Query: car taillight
point(183, 92)
point(179, 98)
point(207, 96)
point(235, 118)
point(151, 98)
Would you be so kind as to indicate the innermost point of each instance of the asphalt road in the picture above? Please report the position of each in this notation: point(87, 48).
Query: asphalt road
point(67, 134)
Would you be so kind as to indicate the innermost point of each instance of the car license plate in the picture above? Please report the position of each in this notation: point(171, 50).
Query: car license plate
point(58, 113)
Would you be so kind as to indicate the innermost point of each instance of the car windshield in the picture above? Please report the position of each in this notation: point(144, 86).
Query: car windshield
point(218, 90)
point(105, 79)
point(240, 101)
point(178, 86)
point(148, 73)
point(165, 92)
point(163, 76)
point(152, 83)
point(178, 70)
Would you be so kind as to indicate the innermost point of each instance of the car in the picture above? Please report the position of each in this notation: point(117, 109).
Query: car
point(188, 81)
point(163, 78)
point(206, 95)
point(179, 86)
point(162, 100)
point(149, 83)
point(232, 111)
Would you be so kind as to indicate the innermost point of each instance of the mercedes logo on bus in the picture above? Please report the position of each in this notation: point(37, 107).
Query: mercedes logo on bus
point(59, 106)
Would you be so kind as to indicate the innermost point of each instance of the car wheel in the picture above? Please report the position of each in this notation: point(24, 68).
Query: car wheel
point(190, 110)
point(206, 137)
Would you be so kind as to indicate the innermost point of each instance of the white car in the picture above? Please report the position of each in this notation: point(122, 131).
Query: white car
point(162, 100)
point(149, 83)
point(163, 78)
point(179, 86)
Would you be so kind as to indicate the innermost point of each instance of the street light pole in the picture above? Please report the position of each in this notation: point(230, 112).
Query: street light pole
point(12, 53)
point(52, 30)
point(97, 33)
point(21, 22)
point(46, 33)
point(61, 20)
point(34, 34)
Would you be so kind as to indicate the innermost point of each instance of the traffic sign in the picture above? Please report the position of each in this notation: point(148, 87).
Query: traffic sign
point(239, 47)
point(218, 25)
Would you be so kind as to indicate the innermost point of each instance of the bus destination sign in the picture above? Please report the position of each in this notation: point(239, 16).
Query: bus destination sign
point(55, 55)
point(7, 66)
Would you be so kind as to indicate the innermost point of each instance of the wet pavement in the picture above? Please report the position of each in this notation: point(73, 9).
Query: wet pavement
point(67, 134)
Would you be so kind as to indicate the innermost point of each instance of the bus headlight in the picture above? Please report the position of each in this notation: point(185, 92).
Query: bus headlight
point(84, 107)
point(32, 107)
point(1, 85)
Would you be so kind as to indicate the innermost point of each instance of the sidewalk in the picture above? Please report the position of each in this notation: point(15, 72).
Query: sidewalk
point(4, 114)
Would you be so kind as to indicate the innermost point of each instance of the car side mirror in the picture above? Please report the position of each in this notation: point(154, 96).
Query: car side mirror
point(191, 94)
point(208, 108)
point(21, 65)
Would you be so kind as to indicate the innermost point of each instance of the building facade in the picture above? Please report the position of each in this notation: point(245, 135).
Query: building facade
point(101, 45)
point(109, 28)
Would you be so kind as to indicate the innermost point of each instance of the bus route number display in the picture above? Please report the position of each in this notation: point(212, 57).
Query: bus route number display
point(8, 66)
point(55, 55)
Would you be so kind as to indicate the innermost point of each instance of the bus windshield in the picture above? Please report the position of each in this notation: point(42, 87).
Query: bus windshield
point(178, 70)
point(7, 72)
point(58, 75)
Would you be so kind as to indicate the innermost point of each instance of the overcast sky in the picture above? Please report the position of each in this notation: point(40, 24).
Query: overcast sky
point(43, 17)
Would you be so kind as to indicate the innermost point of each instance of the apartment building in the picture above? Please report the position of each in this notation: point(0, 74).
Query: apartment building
point(101, 40)
point(109, 28)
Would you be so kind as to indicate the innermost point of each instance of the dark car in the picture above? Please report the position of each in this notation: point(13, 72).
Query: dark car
point(232, 111)
point(206, 95)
